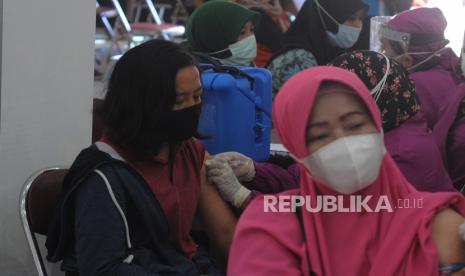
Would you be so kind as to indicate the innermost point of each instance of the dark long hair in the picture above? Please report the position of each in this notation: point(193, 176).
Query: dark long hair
point(141, 91)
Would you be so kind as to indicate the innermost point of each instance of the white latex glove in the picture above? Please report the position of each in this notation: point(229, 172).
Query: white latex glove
point(220, 173)
point(242, 165)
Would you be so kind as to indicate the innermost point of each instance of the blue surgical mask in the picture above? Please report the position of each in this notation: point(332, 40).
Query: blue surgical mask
point(345, 37)
point(243, 52)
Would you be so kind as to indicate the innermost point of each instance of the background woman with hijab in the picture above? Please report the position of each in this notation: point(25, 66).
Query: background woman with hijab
point(416, 39)
point(322, 30)
point(407, 137)
point(330, 123)
point(274, 23)
point(130, 199)
point(223, 31)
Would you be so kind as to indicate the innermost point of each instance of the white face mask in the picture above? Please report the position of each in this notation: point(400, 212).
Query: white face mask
point(348, 164)
point(243, 52)
point(345, 37)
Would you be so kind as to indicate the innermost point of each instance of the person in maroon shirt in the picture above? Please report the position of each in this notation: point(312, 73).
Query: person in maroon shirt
point(155, 167)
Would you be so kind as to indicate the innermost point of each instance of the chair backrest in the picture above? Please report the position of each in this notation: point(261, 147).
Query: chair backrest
point(121, 15)
point(103, 12)
point(37, 203)
point(124, 19)
point(153, 12)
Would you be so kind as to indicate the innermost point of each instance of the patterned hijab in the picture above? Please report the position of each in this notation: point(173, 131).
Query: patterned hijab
point(398, 101)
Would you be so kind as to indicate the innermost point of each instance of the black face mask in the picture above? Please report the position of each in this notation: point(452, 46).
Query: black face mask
point(181, 124)
point(176, 126)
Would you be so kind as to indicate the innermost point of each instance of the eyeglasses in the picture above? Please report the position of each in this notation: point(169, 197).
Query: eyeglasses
point(448, 270)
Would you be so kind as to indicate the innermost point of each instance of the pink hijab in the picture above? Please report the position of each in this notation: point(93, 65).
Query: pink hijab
point(375, 244)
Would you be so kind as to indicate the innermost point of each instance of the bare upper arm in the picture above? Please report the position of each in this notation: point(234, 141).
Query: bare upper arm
point(449, 244)
point(215, 215)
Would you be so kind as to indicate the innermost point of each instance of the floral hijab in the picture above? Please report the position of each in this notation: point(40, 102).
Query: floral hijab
point(398, 101)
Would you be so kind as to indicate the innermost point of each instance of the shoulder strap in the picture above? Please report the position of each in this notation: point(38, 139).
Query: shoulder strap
point(206, 58)
point(118, 207)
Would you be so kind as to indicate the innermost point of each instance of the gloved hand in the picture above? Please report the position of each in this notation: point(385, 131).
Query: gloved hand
point(220, 173)
point(242, 165)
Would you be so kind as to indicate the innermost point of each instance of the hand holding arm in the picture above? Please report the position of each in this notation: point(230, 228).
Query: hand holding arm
point(220, 173)
point(242, 166)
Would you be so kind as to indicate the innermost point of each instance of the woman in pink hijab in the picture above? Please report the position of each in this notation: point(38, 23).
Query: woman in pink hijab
point(327, 119)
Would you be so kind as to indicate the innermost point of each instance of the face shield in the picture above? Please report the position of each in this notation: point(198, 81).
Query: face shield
point(376, 24)
point(393, 42)
point(386, 40)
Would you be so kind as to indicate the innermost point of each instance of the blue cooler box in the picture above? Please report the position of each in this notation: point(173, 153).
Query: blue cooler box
point(236, 110)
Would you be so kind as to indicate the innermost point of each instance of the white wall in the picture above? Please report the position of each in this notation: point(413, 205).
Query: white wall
point(453, 11)
point(46, 96)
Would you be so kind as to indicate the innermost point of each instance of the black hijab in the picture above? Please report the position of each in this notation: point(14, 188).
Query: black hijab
point(308, 32)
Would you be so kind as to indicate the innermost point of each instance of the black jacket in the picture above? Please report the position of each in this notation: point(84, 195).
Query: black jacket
point(87, 224)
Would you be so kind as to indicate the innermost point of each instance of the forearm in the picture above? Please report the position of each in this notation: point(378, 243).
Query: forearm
point(270, 179)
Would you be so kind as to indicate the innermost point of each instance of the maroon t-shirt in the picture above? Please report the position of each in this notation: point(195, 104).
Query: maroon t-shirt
point(176, 187)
